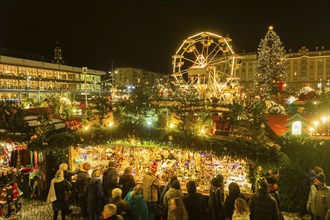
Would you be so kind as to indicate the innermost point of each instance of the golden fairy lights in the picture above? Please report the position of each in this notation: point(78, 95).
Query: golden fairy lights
point(320, 127)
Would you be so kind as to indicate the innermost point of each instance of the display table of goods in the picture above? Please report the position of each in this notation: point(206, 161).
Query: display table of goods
point(186, 165)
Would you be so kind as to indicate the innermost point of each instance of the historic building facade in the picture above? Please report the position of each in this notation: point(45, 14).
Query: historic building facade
point(302, 67)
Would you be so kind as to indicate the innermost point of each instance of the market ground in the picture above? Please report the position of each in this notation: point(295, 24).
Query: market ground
point(39, 210)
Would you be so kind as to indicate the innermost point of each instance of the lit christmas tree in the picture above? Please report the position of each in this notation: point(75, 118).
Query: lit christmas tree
point(270, 66)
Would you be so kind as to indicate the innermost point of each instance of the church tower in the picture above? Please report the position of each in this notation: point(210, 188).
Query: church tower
point(58, 54)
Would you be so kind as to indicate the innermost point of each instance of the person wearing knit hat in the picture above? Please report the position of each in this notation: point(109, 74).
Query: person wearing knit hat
point(320, 177)
point(316, 202)
point(150, 190)
point(153, 167)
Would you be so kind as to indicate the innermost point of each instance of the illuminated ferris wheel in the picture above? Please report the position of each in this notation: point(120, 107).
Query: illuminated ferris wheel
point(206, 62)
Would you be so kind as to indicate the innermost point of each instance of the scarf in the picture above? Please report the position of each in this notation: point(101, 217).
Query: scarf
point(51, 194)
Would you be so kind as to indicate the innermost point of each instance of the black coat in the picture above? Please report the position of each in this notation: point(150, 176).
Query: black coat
point(263, 206)
point(126, 183)
point(94, 196)
point(122, 206)
point(109, 181)
point(60, 188)
point(196, 206)
point(81, 183)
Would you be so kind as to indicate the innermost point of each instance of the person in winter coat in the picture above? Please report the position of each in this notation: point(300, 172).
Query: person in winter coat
point(194, 202)
point(150, 190)
point(177, 210)
point(110, 181)
point(167, 187)
point(67, 173)
point(163, 208)
point(174, 191)
point(262, 205)
point(234, 193)
point(306, 186)
point(327, 216)
point(126, 181)
point(273, 191)
point(241, 211)
point(56, 194)
point(122, 206)
point(137, 205)
point(94, 196)
point(68, 176)
point(109, 213)
point(81, 183)
point(317, 200)
point(217, 197)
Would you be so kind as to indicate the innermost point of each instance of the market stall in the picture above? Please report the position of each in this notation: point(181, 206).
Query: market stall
point(186, 165)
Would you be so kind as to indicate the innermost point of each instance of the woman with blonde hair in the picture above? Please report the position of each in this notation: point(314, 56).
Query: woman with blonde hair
point(122, 206)
point(137, 205)
point(56, 194)
point(109, 213)
point(242, 210)
point(177, 210)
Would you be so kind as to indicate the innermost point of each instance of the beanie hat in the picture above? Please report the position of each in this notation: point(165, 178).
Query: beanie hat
point(320, 177)
point(154, 166)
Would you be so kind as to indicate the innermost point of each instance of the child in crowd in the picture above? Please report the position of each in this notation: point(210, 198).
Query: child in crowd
point(242, 210)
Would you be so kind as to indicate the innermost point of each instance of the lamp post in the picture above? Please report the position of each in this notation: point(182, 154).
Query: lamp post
point(84, 70)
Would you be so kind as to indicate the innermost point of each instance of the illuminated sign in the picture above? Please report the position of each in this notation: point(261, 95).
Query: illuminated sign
point(296, 127)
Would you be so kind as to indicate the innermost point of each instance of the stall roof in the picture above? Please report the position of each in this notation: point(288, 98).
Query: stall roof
point(277, 123)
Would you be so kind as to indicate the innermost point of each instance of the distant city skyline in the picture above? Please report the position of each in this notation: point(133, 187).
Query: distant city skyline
point(146, 34)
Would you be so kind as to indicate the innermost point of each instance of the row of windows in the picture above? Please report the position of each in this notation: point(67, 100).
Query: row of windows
point(21, 71)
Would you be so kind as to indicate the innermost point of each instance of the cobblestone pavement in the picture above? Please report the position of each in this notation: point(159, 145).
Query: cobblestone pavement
point(40, 210)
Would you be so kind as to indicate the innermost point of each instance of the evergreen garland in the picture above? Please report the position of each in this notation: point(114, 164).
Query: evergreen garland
point(235, 148)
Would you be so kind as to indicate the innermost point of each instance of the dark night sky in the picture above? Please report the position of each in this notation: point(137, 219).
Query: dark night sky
point(147, 33)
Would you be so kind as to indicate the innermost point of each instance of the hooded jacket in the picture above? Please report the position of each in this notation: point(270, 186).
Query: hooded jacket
point(137, 206)
point(263, 206)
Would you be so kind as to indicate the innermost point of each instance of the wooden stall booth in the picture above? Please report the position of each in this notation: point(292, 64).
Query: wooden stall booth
point(186, 165)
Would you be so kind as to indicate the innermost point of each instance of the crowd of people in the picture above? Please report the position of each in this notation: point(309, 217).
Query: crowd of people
point(105, 195)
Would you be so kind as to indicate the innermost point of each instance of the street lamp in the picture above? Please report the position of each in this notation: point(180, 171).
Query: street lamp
point(85, 70)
